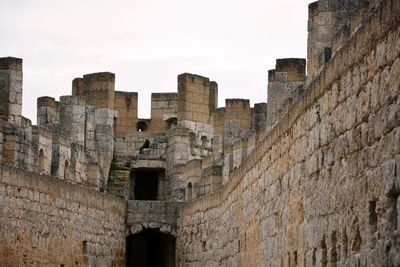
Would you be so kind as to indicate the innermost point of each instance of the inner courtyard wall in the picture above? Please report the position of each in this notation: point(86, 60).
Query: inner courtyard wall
point(48, 222)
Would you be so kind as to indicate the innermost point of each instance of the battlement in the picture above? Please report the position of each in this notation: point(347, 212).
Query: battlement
point(47, 101)
point(11, 63)
point(285, 84)
point(288, 70)
point(11, 89)
point(219, 186)
point(97, 87)
point(326, 20)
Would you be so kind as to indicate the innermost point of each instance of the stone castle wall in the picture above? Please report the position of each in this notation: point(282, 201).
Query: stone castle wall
point(48, 222)
point(310, 178)
point(322, 189)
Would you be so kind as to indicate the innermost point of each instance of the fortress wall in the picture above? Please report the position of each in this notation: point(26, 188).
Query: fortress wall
point(47, 110)
point(285, 83)
point(11, 89)
point(193, 174)
point(47, 222)
point(98, 89)
point(61, 157)
point(42, 149)
point(129, 145)
point(126, 106)
point(323, 187)
point(236, 154)
point(259, 116)
point(219, 119)
point(213, 97)
point(194, 104)
point(72, 117)
point(193, 98)
point(238, 109)
point(325, 19)
point(78, 87)
point(90, 128)
point(17, 145)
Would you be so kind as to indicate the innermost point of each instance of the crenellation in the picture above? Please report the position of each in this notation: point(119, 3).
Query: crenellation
point(326, 20)
point(285, 84)
point(11, 89)
point(193, 98)
point(11, 63)
point(126, 112)
point(78, 87)
point(163, 111)
point(99, 89)
point(308, 178)
point(213, 100)
point(42, 149)
point(259, 117)
point(326, 203)
point(61, 157)
point(47, 110)
point(90, 127)
point(72, 117)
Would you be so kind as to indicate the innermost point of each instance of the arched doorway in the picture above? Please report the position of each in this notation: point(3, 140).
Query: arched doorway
point(141, 126)
point(150, 248)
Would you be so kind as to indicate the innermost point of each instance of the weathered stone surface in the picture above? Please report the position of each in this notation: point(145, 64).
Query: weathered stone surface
point(48, 222)
point(309, 179)
point(322, 188)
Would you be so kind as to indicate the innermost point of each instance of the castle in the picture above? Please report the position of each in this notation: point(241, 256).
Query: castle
point(311, 178)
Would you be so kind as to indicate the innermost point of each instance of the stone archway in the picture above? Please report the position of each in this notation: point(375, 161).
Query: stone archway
point(150, 248)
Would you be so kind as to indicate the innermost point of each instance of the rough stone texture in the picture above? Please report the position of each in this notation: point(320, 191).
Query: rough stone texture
point(11, 89)
point(152, 215)
point(42, 147)
point(325, 19)
point(259, 116)
point(285, 84)
point(129, 147)
point(309, 179)
point(46, 222)
point(126, 109)
point(99, 89)
point(47, 110)
point(72, 117)
point(163, 111)
point(193, 98)
point(17, 145)
point(61, 158)
point(323, 188)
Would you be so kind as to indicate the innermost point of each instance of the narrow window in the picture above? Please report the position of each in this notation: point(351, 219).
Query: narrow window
point(41, 160)
point(189, 193)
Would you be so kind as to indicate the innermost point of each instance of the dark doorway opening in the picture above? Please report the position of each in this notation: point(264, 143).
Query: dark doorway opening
point(150, 248)
point(141, 126)
point(148, 184)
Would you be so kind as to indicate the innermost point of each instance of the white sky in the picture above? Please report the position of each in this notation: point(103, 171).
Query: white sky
point(148, 43)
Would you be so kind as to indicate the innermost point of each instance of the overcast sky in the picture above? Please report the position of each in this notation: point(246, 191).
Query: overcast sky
point(148, 43)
